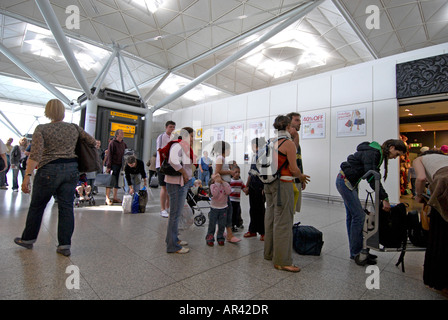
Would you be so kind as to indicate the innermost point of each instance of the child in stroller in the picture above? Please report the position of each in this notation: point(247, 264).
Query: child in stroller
point(83, 191)
point(194, 195)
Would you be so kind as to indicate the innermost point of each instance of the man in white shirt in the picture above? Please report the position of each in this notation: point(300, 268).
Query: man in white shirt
point(162, 140)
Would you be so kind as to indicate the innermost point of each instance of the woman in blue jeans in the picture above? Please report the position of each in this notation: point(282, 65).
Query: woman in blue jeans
point(368, 156)
point(53, 153)
point(181, 158)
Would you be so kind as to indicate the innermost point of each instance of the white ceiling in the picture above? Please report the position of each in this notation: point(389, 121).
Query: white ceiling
point(331, 36)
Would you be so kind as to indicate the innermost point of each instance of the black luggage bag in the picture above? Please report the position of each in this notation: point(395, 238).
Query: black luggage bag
point(307, 240)
point(393, 226)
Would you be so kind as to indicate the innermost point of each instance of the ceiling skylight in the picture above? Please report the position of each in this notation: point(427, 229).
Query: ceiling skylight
point(40, 42)
point(280, 55)
point(151, 5)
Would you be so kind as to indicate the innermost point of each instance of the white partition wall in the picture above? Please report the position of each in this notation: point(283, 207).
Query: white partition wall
point(368, 86)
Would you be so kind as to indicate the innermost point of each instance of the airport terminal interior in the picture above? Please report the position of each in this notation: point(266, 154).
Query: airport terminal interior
point(226, 69)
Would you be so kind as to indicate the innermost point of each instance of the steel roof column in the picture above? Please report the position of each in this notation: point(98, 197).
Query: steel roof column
point(58, 94)
point(59, 35)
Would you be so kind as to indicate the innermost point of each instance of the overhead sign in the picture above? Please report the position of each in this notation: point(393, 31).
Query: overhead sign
point(127, 128)
point(123, 115)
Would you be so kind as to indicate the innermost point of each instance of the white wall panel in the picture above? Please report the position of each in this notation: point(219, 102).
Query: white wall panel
point(258, 104)
point(219, 111)
point(314, 93)
point(283, 99)
point(352, 86)
point(237, 108)
point(384, 84)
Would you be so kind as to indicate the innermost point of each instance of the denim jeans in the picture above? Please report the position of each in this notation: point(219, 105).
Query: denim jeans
point(135, 180)
point(15, 177)
point(53, 179)
point(204, 177)
point(355, 216)
point(178, 195)
point(216, 216)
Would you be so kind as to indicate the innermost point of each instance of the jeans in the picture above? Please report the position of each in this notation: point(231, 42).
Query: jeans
point(216, 216)
point(355, 216)
point(15, 176)
point(178, 195)
point(204, 177)
point(135, 180)
point(58, 179)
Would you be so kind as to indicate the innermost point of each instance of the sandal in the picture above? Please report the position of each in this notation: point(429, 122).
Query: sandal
point(234, 240)
point(291, 268)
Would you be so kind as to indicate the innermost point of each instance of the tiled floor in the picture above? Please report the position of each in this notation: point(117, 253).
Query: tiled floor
point(122, 256)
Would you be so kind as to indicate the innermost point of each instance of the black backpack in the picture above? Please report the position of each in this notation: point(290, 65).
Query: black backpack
point(393, 226)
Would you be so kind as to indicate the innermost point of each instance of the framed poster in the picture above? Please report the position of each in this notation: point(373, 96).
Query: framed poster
point(351, 123)
point(313, 125)
point(219, 134)
point(257, 129)
point(236, 132)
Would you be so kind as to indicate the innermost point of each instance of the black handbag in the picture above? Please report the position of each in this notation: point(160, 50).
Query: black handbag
point(167, 169)
point(88, 159)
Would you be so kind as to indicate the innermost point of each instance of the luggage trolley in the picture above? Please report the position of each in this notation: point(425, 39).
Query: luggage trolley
point(371, 230)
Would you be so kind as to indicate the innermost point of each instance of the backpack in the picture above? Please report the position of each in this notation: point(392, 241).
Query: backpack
point(393, 226)
point(266, 168)
point(164, 154)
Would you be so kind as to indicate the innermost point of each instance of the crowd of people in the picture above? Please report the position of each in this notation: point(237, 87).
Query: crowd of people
point(272, 206)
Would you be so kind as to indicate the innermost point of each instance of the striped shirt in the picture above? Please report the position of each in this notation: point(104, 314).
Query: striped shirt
point(236, 186)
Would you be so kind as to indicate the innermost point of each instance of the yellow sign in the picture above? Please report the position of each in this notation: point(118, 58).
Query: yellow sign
point(198, 134)
point(126, 135)
point(123, 115)
point(127, 128)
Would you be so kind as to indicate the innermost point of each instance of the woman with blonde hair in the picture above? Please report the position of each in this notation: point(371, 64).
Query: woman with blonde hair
point(53, 153)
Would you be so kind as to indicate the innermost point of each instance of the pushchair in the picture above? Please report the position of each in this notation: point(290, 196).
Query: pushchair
point(380, 227)
point(83, 192)
point(192, 201)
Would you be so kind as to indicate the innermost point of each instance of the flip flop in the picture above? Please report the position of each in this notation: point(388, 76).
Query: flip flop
point(234, 240)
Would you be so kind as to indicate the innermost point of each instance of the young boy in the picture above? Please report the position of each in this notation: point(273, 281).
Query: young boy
point(220, 190)
point(236, 185)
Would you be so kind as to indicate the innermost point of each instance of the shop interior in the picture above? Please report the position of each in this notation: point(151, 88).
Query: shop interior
point(422, 124)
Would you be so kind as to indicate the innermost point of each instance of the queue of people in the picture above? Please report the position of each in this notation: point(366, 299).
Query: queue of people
point(272, 206)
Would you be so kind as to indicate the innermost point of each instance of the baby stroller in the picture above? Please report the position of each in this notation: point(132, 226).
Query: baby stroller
point(389, 231)
point(192, 201)
point(83, 193)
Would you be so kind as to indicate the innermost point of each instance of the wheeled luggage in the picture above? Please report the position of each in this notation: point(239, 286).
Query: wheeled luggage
point(390, 230)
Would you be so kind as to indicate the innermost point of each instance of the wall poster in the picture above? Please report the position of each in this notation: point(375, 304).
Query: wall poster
point(236, 132)
point(351, 123)
point(313, 125)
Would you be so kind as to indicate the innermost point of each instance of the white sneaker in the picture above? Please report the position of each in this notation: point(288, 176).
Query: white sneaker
point(182, 243)
point(183, 250)
point(164, 214)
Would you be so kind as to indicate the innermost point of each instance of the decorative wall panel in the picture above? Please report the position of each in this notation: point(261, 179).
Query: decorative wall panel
point(422, 77)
